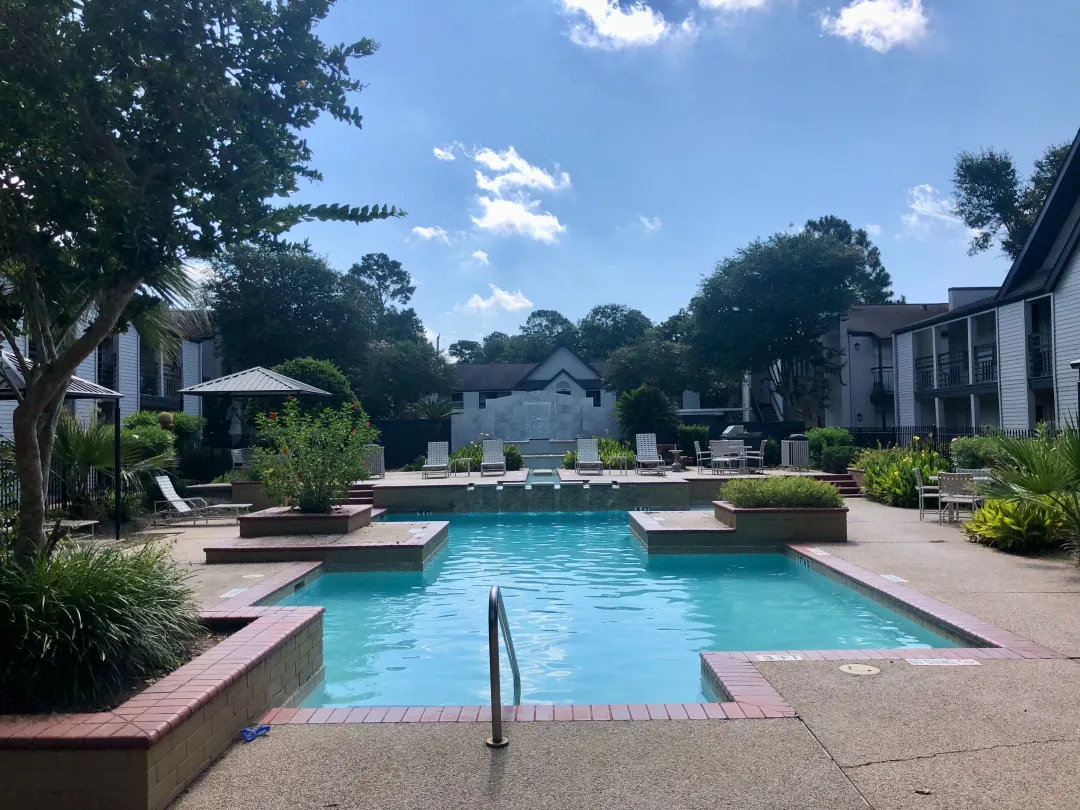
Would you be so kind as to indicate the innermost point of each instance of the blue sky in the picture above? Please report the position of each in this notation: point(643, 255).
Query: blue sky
point(650, 141)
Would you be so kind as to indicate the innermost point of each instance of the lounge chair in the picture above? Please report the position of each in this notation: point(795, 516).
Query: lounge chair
point(176, 508)
point(493, 460)
point(647, 456)
point(588, 456)
point(701, 455)
point(438, 460)
point(926, 493)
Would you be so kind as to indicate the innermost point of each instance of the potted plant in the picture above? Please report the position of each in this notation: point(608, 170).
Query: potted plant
point(782, 509)
point(309, 464)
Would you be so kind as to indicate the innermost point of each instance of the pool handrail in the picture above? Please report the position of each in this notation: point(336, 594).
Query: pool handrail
point(497, 620)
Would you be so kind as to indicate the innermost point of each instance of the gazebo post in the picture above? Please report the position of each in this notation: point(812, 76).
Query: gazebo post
point(119, 477)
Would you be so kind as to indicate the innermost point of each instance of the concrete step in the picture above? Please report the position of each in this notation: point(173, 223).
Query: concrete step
point(536, 447)
point(543, 461)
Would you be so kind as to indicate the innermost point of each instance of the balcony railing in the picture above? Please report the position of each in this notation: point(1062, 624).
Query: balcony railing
point(952, 369)
point(883, 380)
point(1039, 357)
point(924, 373)
point(986, 366)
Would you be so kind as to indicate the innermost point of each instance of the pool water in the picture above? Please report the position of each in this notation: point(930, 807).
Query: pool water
point(594, 619)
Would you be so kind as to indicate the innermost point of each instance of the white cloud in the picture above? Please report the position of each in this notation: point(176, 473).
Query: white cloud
point(499, 299)
point(480, 256)
point(518, 216)
point(650, 224)
point(874, 230)
point(879, 24)
point(514, 172)
point(434, 233)
point(608, 25)
point(929, 209)
point(735, 5)
point(444, 154)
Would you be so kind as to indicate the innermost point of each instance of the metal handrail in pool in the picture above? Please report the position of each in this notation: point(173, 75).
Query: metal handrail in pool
point(497, 619)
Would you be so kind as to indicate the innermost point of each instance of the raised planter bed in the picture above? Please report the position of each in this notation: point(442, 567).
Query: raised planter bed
point(142, 754)
point(253, 492)
point(857, 475)
point(784, 525)
point(279, 520)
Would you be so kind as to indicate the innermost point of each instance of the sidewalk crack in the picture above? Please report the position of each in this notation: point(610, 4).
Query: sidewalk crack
point(961, 751)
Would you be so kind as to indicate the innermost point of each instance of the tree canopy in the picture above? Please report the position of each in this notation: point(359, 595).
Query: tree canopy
point(873, 284)
point(134, 140)
point(468, 352)
point(609, 327)
point(768, 306)
point(996, 203)
point(322, 374)
point(652, 361)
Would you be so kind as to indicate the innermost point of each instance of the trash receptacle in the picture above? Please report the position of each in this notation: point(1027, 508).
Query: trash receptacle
point(795, 451)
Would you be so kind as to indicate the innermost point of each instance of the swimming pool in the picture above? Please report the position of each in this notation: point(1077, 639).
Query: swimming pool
point(593, 617)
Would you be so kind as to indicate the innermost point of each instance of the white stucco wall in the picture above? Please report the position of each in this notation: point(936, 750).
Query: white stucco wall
point(524, 415)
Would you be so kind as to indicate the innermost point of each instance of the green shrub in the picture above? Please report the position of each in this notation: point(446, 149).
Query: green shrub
point(140, 419)
point(972, 452)
point(772, 453)
point(78, 627)
point(187, 427)
point(475, 450)
point(416, 465)
point(822, 437)
point(688, 434)
point(889, 472)
point(1018, 526)
point(320, 373)
point(645, 410)
point(838, 459)
point(609, 449)
point(315, 458)
point(147, 440)
point(781, 492)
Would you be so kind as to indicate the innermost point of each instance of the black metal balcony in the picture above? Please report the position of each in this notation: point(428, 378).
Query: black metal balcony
point(985, 369)
point(924, 373)
point(882, 391)
point(1040, 357)
point(952, 369)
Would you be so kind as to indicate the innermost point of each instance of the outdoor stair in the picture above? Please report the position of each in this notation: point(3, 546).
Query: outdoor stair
point(843, 482)
point(767, 412)
point(363, 494)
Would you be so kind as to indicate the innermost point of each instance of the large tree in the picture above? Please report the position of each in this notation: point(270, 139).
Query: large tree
point(651, 361)
point(996, 203)
point(137, 136)
point(467, 352)
point(609, 327)
point(768, 306)
point(272, 303)
point(873, 285)
point(543, 332)
point(385, 282)
point(396, 374)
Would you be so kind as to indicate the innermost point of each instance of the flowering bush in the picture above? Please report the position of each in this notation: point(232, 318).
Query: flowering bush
point(314, 458)
point(889, 473)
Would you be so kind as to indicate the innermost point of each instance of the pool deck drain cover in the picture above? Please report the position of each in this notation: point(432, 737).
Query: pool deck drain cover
point(859, 669)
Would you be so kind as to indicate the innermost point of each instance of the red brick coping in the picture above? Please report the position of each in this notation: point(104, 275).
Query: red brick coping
point(143, 753)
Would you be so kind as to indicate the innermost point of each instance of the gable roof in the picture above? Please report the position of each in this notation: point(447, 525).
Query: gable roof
point(882, 320)
point(511, 376)
point(1054, 237)
point(257, 381)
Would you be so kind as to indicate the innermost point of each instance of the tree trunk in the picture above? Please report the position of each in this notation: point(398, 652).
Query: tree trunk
point(31, 534)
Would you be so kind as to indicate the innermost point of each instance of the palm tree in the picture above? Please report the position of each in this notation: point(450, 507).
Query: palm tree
point(434, 408)
point(1044, 470)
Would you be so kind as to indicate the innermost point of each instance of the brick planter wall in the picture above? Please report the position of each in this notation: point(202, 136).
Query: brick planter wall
point(252, 492)
point(282, 520)
point(142, 754)
point(776, 526)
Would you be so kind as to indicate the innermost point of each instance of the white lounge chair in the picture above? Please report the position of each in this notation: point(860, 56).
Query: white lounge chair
point(438, 460)
point(176, 508)
point(647, 456)
point(493, 460)
point(588, 456)
point(701, 455)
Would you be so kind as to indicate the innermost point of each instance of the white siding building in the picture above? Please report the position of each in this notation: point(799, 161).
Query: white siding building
point(1000, 357)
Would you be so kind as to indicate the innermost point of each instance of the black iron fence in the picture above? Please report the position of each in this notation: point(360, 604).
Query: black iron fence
point(56, 491)
point(937, 437)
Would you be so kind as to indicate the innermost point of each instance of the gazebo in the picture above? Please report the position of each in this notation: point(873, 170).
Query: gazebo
point(78, 388)
point(255, 382)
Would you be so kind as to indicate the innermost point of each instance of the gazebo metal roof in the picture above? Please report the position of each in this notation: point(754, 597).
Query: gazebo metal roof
point(78, 388)
point(254, 382)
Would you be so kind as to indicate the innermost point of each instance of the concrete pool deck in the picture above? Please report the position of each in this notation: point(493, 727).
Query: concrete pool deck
point(1004, 734)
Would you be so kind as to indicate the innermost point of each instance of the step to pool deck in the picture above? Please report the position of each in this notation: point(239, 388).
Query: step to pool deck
point(396, 546)
point(692, 532)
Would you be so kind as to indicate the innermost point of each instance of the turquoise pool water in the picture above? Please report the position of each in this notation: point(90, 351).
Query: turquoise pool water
point(593, 617)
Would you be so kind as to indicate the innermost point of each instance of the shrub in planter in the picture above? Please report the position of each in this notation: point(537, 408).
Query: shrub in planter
point(609, 449)
point(822, 437)
point(688, 434)
point(314, 457)
point(889, 472)
point(838, 459)
point(1019, 526)
point(781, 492)
point(475, 450)
point(972, 452)
point(83, 624)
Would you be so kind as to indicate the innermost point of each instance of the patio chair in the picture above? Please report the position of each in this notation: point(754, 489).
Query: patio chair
point(494, 460)
point(726, 454)
point(647, 456)
point(175, 508)
point(957, 490)
point(588, 456)
point(241, 457)
point(438, 460)
point(701, 455)
point(926, 493)
point(755, 455)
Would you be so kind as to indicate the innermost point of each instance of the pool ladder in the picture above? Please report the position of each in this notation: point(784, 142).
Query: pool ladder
point(497, 620)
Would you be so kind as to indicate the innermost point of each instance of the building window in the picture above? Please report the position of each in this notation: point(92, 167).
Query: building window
point(563, 388)
point(594, 395)
point(107, 359)
point(458, 399)
point(149, 371)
